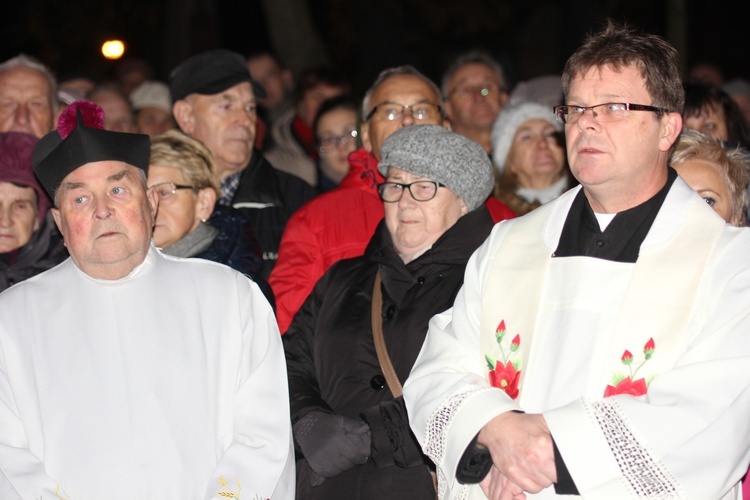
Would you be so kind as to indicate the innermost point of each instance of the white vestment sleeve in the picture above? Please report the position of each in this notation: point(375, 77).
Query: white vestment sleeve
point(22, 475)
point(664, 444)
point(447, 396)
point(260, 459)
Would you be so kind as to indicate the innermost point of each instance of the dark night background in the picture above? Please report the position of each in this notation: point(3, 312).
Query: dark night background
point(362, 37)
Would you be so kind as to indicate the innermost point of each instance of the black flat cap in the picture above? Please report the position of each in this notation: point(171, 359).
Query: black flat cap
point(209, 73)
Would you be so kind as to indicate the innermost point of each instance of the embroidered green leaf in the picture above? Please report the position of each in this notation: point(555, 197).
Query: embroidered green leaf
point(490, 361)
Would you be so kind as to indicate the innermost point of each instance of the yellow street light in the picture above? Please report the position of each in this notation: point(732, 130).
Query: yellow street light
point(113, 49)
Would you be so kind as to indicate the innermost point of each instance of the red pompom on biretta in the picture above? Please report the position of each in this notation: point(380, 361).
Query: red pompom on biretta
point(92, 116)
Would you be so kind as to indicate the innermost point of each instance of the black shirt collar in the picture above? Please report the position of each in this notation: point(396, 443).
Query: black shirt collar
point(621, 240)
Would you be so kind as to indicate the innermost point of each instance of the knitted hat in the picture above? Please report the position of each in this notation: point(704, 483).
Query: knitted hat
point(507, 123)
point(151, 94)
point(80, 139)
point(434, 152)
point(15, 165)
point(209, 73)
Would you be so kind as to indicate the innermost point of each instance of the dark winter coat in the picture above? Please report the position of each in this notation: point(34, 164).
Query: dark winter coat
point(333, 366)
point(267, 197)
point(43, 251)
point(235, 246)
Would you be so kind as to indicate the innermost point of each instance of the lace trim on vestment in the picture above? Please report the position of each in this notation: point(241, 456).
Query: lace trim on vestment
point(437, 431)
point(646, 476)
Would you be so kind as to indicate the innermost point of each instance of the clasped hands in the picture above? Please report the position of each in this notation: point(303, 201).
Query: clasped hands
point(522, 456)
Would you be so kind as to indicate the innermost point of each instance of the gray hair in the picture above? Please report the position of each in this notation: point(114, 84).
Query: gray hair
point(406, 69)
point(25, 61)
point(474, 57)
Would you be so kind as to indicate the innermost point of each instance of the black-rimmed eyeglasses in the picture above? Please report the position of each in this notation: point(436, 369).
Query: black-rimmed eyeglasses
point(606, 112)
point(391, 192)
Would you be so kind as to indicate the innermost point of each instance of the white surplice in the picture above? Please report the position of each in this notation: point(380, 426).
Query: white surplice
point(572, 320)
point(168, 383)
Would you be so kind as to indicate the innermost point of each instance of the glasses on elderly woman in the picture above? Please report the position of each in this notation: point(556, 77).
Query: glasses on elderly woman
point(391, 192)
point(165, 190)
point(329, 143)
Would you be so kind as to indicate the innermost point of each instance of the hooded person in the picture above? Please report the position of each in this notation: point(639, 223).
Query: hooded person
point(349, 421)
point(29, 240)
point(126, 371)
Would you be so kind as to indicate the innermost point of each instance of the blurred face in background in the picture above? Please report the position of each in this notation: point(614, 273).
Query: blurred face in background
point(475, 97)
point(710, 121)
point(337, 137)
point(26, 101)
point(310, 103)
point(536, 155)
point(153, 121)
point(396, 92)
point(18, 216)
point(118, 115)
point(275, 80)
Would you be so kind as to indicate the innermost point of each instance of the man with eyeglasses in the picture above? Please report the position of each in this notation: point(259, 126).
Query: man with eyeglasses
point(127, 373)
point(338, 224)
point(475, 90)
point(600, 344)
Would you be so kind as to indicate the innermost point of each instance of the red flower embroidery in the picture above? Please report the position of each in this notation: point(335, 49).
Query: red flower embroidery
point(627, 357)
point(506, 377)
point(627, 386)
point(648, 349)
point(515, 343)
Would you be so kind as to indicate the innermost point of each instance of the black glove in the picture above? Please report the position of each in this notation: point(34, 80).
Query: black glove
point(331, 443)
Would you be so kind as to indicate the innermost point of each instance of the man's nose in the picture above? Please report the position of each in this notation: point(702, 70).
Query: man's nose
point(102, 208)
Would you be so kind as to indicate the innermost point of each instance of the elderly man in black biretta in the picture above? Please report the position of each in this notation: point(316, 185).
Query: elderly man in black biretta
point(215, 101)
point(139, 343)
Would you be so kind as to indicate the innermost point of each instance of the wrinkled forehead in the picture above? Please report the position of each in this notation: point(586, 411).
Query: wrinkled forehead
point(100, 172)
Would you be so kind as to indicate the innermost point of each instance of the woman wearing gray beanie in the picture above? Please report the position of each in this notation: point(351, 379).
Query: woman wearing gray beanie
point(529, 155)
point(349, 420)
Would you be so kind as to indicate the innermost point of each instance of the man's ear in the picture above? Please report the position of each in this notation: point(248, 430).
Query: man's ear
point(184, 116)
point(153, 201)
point(671, 128)
point(58, 221)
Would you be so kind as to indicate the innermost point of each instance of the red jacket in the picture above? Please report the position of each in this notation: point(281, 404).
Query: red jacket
point(333, 226)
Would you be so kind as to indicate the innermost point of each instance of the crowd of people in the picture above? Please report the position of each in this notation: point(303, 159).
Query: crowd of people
point(242, 282)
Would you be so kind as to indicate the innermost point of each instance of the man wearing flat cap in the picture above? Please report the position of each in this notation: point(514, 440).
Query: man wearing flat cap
point(215, 102)
point(126, 373)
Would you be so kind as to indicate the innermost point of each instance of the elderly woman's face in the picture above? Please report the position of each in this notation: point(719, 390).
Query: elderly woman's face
point(705, 177)
point(18, 216)
point(536, 155)
point(178, 214)
point(416, 225)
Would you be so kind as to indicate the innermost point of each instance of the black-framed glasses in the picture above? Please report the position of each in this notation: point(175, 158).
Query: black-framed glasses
point(391, 111)
point(165, 190)
point(332, 141)
point(603, 113)
point(391, 192)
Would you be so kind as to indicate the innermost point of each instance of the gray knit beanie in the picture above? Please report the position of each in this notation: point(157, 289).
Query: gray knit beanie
point(436, 153)
point(507, 123)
